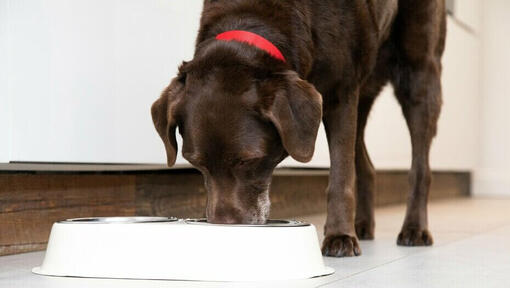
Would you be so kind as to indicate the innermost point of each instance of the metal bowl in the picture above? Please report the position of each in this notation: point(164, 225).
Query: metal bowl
point(269, 223)
point(118, 220)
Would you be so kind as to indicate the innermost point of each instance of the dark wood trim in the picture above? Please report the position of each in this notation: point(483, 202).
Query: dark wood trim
point(30, 201)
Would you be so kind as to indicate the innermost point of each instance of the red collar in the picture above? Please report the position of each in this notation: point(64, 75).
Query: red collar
point(252, 39)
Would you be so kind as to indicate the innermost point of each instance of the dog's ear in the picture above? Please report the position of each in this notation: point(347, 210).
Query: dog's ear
point(296, 112)
point(164, 118)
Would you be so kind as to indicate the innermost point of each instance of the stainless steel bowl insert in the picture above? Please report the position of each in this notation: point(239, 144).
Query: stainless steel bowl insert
point(118, 220)
point(269, 223)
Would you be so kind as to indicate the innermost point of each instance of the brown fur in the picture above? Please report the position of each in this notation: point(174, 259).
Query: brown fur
point(241, 112)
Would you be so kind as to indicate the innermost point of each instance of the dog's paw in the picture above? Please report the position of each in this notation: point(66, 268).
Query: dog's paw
point(365, 230)
point(340, 246)
point(414, 237)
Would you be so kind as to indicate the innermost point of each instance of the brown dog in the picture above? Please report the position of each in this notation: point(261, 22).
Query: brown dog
point(241, 110)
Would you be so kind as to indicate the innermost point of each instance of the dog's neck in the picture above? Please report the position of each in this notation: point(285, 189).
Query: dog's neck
point(295, 46)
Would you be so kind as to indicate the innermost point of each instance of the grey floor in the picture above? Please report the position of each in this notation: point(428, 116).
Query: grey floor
point(472, 249)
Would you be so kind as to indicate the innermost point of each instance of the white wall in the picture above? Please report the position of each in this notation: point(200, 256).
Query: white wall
point(5, 125)
point(468, 12)
point(493, 175)
point(84, 73)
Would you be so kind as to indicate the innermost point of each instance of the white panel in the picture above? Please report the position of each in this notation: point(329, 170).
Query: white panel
point(85, 73)
point(456, 145)
point(493, 175)
point(147, 57)
point(469, 12)
point(5, 138)
point(62, 70)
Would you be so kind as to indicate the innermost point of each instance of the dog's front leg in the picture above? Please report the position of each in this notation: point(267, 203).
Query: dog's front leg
point(340, 121)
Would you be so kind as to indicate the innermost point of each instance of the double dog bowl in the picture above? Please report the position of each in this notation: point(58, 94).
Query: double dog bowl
point(176, 249)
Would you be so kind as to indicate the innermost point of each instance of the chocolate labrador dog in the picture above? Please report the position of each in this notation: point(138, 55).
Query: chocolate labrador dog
point(264, 75)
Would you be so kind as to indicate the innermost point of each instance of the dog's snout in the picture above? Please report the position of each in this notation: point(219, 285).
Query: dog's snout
point(224, 220)
point(224, 214)
point(237, 208)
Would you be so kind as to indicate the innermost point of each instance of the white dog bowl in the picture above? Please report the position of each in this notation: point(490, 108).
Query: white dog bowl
point(168, 248)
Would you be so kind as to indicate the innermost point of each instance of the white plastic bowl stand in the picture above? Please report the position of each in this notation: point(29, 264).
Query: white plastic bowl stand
point(171, 249)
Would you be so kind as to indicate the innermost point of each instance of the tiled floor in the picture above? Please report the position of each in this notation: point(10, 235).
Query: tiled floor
point(472, 249)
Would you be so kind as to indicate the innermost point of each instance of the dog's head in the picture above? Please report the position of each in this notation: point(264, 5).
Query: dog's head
point(237, 123)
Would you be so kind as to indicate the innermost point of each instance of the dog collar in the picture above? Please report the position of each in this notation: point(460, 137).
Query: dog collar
point(253, 40)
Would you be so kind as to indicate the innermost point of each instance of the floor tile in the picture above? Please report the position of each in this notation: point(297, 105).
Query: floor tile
point(470, 250)
point(478, 261)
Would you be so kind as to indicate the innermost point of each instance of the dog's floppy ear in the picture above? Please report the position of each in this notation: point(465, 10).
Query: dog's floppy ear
point(296, 112)
point(163, 116)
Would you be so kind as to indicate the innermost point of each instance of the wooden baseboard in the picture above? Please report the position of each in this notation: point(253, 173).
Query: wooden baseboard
point(31, 201)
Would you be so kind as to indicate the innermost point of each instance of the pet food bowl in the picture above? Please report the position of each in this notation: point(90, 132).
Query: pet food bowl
point(171, 249)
